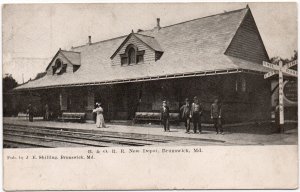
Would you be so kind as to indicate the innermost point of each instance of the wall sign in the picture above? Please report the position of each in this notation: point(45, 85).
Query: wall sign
point(290, 91)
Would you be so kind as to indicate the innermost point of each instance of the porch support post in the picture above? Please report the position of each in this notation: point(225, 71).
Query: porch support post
point(90, 103)
point(63, 100)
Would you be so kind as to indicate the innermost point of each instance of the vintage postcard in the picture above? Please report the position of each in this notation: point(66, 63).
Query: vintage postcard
point(145, 96)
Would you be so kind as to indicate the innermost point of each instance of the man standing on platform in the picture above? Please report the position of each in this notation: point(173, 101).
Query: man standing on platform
point(215, 114)
point(30, 112)
point(186, 114)
point(165, 116)
point(196, 111)
point(46, 112)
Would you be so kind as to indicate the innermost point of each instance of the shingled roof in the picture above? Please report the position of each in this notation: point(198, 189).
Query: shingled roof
point(151, 41)
point(73, 57)
point(192, 47)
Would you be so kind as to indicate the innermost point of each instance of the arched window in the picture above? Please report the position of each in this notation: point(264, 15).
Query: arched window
point(58, 63)
point(131, 55)
point(58, 67)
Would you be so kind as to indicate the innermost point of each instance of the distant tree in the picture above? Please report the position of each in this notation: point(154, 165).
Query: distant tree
point(9, 83)
point(295, 56)
point(276, 59)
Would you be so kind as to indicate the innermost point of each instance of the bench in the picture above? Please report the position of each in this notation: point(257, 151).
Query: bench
point(23, 115)
point(155, 116)
point(73, 116)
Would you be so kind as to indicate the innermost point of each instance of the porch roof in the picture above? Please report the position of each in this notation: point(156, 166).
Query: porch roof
point(146, 72)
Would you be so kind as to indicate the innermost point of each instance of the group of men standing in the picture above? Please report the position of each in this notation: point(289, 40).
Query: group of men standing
point(32, 110)
point(193, 113)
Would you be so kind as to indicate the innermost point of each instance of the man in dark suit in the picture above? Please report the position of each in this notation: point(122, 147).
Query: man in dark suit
point(216, 116)
point(186, 115)
point(165, 116)
point(196, 111)
point(30, 112)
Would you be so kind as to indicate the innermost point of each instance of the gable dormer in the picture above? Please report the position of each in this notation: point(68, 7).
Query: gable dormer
point(64, 62)
point(137, 49)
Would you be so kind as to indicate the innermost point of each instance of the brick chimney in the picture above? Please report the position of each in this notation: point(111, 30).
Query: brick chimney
point(90, 40)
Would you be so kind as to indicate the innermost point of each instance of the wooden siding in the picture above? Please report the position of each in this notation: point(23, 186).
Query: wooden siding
point(149, 55)
point(247, 44)
point(69, 68)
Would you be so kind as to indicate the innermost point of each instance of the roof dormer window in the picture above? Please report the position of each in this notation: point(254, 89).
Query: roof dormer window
point(137, 48)
point(59, 67)
point(64, 62)
point(132, 55)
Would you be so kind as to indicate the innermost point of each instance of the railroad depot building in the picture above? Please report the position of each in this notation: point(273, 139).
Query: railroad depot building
point(218, 56)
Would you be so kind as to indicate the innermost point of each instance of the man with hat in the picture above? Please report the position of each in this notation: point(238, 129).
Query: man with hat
point(30, 112)
point(196, 112)
point(165, 116)
point(215, 114)
point(186, 114)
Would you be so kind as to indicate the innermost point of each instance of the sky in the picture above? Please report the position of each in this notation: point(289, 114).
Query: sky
point(33, 33)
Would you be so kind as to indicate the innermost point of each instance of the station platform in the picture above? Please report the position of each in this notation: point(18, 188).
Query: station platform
point(290, 137)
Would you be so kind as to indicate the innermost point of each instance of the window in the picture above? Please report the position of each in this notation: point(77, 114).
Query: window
point(53, 70)
point(58, 63)
point(132, 55)
point(140, 58)
point(57, 66)
point(124, 60)
point(241, 84)
point(75, 67)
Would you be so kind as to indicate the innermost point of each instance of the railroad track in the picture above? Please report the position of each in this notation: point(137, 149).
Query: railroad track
point(15, 135)
point(24, 136)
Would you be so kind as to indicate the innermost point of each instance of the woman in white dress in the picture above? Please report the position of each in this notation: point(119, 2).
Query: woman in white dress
point(99, 119)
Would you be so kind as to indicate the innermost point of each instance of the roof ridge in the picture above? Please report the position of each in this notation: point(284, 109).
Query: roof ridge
point(237, 10)
point(74, 47)
point(70, 51)
point(229, 12)
point(144, 35)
